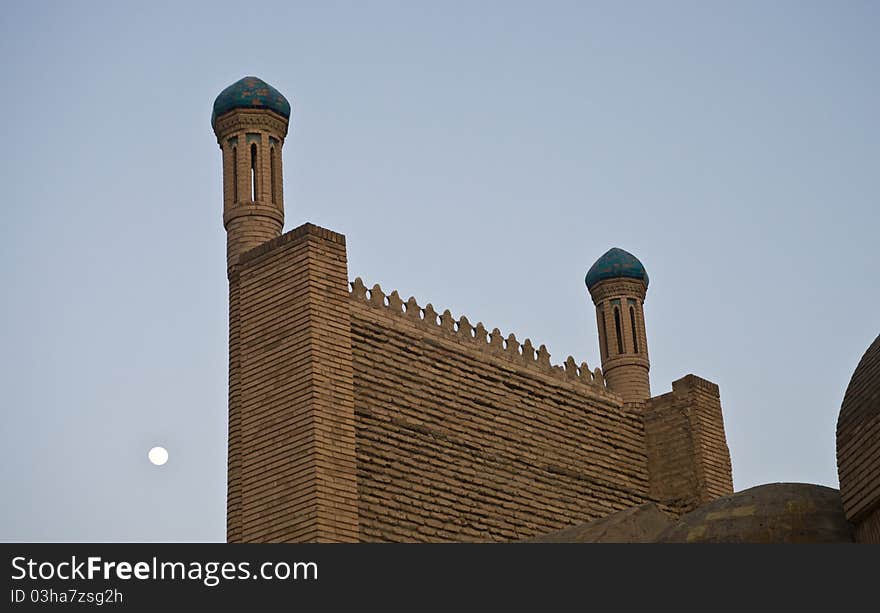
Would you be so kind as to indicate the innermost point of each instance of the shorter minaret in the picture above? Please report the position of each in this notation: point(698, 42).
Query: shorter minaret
point(617, 283)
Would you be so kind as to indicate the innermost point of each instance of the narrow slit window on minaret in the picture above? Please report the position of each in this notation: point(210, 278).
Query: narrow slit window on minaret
point(272, 171)
point(617, 329)
point(253, 173)
point(604, 340)
point(235, 174)
point(632, 319)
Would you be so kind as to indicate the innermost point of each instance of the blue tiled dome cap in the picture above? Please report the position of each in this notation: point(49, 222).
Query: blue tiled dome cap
point(616, 263)
point(250, 93)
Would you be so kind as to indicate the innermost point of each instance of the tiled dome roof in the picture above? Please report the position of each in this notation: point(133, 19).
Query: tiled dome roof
point(250, 93)
point(616, 263)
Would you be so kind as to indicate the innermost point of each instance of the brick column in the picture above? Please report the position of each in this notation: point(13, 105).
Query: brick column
point(233, 461)
point(688, 457)
point(625, 369)
point(296, 425)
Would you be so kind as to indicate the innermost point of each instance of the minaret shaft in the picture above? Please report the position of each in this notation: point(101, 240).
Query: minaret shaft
point(618, 283)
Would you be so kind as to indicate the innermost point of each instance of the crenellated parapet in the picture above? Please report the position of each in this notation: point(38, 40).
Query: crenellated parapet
point(477, 336)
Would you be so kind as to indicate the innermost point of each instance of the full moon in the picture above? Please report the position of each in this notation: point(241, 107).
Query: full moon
point(158, 455)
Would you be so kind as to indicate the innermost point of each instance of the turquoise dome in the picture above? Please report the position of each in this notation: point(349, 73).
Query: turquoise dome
point(616, 263)
point(250, 93)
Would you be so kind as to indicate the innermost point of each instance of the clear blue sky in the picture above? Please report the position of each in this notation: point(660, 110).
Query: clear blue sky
point(479, 156)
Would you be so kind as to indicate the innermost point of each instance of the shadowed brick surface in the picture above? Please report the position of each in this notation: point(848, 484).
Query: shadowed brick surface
point(858, 446)
point(772, 513)
point(686, 445)
point(641, 524)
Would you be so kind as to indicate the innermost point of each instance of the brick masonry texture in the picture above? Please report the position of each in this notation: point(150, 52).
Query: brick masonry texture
point(356, 416)
point(233, 459)
point(456, 442)
point(244, 233)
point(294, 432)
point(868, 530)
point(622, 345)
point(858, 446)
point(253, 199)
point(686, 445)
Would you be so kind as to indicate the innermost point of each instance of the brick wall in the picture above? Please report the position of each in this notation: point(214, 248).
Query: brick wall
point(460, 438)
point(233, 457)
point(688, 458)
point(858, 446)
point(295, 425)
point(356, 416)
point(868, 529)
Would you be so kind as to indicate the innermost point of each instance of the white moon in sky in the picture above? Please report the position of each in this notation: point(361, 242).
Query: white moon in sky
point(158, 455)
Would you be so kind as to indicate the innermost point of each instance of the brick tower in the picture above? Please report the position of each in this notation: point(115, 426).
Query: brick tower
point(617, 283)
point(250, 120)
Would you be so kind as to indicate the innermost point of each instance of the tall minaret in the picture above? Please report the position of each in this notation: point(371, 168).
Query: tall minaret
point(250, 120)
point(617, 283)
